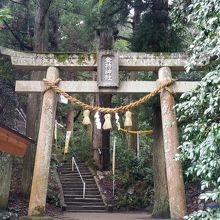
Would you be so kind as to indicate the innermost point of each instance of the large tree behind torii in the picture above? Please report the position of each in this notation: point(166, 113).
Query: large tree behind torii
point(34, 100)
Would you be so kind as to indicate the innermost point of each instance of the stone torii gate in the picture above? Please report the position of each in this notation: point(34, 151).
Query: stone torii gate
point(107, 63)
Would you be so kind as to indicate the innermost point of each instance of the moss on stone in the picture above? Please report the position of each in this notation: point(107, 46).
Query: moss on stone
point(61, 57)
point(82, 57)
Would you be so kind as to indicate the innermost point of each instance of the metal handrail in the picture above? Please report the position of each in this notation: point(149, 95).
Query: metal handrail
point(84, 184)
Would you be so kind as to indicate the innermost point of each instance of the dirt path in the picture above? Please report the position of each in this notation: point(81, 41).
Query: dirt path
point(106, 216)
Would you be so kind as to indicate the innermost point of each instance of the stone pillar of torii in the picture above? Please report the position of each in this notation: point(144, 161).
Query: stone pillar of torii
point(107, 64)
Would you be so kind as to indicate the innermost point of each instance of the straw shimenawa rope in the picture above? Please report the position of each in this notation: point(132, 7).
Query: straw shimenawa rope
point(52, 85)
point(136, 132)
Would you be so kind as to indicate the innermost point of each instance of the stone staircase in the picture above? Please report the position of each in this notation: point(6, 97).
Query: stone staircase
point(73, 189)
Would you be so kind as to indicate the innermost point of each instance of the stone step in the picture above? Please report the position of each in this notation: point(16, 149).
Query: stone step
point(70, 163)
point(70, 166)
point(79, 186)
point(75, 177)
point(80, 194)
point(73, 189)
point(70, 172)
point(75, 170)
point(72, 177)
point(66, 173)
point(78, 183)
point(78, 199)
point(76, 180)
point(85, 207)
point(84, 203)
point(80, 190)
point(74, 174)
point(72, 181)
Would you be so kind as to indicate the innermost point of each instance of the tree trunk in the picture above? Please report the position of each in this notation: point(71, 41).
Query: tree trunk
point(54, 33)
point(90, 128)
point(34, 100)
point(161, 200)
point(138, 9)
point(101, 138)
point(132, 138)
point(97, 141)
point(70, 120)
point(105, 101)
point(5, 180)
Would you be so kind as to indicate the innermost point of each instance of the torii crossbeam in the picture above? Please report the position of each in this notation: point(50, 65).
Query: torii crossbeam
point(163, 63)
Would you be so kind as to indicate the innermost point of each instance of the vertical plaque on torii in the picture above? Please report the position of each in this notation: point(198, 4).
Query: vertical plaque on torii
point(108, 69)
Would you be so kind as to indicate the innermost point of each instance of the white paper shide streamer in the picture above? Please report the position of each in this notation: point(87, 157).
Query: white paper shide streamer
point(98, 120)
point(117, 120)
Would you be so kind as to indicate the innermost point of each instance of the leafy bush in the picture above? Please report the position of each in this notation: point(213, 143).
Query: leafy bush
point(199, 114)
point(4, 14)
point(205, 215)
point(199, 111)
point(134, 178)
point(135, 168)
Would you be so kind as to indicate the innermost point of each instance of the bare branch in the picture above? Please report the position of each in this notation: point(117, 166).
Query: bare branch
point(17, 38)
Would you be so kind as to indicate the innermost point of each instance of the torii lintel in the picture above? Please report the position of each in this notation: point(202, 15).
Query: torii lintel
point(88, 61)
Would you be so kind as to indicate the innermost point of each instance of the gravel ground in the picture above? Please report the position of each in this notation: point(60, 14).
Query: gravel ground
point(106, 216)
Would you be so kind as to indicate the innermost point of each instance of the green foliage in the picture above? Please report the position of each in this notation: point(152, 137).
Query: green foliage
point(4, 15)
point(134, 177)
point(80, 146)
point(209, 214)
point(156, 32)
point(135, 168)
point(132, 202)
point(205, 16)
point(122, 45)
point(199, 112)
point(101, 2)
point(108, 16)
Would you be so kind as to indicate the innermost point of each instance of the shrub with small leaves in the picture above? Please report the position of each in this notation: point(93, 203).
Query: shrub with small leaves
point(4, 14)
point(199, 110)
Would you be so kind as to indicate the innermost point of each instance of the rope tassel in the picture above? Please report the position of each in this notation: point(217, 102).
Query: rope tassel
point(128, 119)
point(86, 119)
point(107, 124)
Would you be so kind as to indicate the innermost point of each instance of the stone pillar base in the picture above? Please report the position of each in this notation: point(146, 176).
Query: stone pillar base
point(35, 218)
